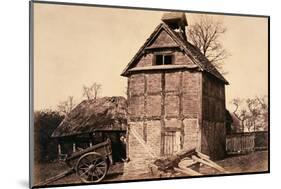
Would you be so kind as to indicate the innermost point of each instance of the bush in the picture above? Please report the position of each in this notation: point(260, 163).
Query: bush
point(45, 147)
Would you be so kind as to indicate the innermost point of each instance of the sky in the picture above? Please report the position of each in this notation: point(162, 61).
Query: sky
point(79, 45)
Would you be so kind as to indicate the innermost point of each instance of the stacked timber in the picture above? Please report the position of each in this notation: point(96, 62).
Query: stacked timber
point(172, 161)
point(184, 163)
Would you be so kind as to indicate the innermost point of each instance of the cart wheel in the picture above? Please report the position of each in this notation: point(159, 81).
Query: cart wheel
point(91, 167)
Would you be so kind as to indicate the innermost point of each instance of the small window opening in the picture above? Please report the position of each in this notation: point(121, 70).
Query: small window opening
point(159, 59)
point(163, 60)
point(168, 59)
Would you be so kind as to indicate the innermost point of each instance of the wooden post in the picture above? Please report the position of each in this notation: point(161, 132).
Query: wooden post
point(74, 147)
point(59, 149)
point(162, 117)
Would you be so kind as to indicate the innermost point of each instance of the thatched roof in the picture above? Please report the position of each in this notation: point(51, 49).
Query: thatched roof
point(103, 114)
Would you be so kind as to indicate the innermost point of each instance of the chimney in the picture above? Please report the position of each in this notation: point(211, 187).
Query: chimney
point(176, 21)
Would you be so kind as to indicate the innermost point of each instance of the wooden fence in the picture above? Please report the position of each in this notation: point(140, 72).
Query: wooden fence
point(242, 143)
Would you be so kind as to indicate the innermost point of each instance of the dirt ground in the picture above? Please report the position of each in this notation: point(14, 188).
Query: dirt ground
point(253, 162)
point(48, 170)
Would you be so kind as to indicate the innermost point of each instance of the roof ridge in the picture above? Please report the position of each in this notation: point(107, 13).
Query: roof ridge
point(192, 51)
point(199, 53)
point(158, 27)
point(181, 43)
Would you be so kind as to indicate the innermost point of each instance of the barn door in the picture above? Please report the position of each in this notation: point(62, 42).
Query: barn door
point(171, 142)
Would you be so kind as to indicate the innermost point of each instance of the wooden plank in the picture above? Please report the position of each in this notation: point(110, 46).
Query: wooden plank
point(59, 149)
point(201, 155)
point(74, 147)
point(217, 166)
point(184, 153)
point(172, 161)
point(162, 120)
point(186, 163)
point(210, 164)
point(187, 171)
point(90, 149)
point(57, 177)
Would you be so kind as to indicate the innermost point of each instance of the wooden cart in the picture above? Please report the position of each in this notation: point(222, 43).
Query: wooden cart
point(90, 164)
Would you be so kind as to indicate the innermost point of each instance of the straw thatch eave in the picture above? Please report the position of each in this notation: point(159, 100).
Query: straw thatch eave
point(103, 114)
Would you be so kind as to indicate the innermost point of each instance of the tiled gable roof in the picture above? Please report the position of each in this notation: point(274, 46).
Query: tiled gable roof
point(193, 52)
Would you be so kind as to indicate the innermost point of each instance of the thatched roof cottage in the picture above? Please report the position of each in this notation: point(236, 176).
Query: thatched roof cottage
point(91, 122)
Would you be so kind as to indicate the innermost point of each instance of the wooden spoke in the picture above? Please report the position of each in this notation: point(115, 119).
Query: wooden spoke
point(91, 167)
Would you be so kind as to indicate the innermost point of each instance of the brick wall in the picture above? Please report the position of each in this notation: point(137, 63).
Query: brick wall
point(181, 87)
point(153, 83)
point(173, 123)
point(172, 105)
point(154, 135)
point(167, 101)
point(139, 157)
point(136, 86)
point(172, 81)
point(191, 133)
point(191, 88)
point(136, 107)
point(153, 105)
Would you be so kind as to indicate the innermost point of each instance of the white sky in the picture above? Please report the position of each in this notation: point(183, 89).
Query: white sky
point(76, 46)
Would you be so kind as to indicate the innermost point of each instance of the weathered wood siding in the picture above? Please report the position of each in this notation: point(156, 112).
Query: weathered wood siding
point(213, 118)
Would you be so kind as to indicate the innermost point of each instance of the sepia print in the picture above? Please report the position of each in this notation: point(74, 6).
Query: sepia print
point(125, 94)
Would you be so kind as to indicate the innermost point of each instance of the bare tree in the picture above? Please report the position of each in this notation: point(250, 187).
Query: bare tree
point(239, 112)
point(92, 91)
point(263, 102)
point(258, 112)
point(66, 106)
point(206, 34)
point(252, 113)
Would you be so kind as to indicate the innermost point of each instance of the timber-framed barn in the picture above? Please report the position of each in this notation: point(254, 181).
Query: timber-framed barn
point(176, 97)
